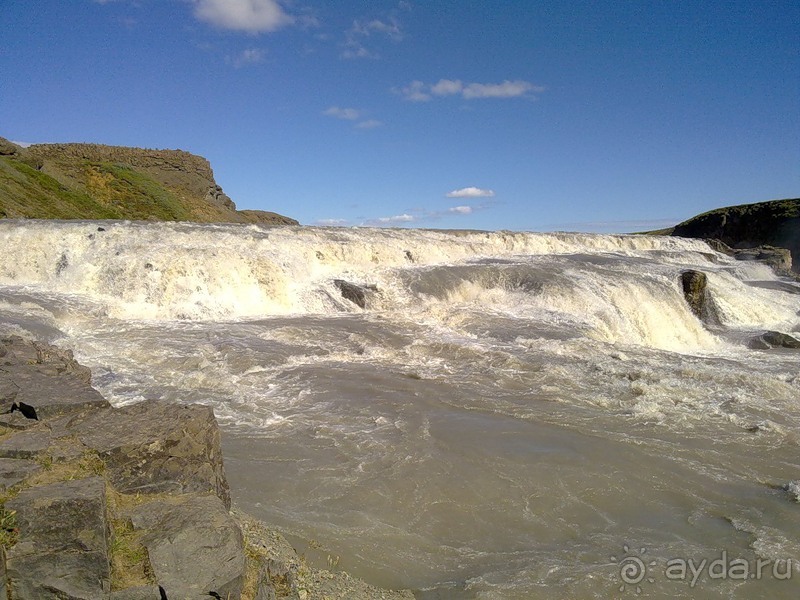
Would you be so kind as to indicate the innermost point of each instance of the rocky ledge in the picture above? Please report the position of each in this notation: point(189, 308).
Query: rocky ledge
point(128, 503)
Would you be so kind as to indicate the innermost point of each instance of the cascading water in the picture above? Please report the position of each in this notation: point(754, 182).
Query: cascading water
point(505, 415)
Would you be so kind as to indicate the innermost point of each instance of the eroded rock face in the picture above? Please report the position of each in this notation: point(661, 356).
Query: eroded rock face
point(694, 290)
point(156, 446)
point(8, 148)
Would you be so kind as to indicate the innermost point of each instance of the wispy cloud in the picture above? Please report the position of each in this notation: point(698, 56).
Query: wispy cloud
point(404, 218)
point(369, 124)
point(348, 114)
point(250, 56)
point(415, 91)
point(419, 217)
point(352, 114)
point(418, 91)
point(331, 222)
point(460, 210)
point(252, 16)
point(470, 192)
point(355, 43)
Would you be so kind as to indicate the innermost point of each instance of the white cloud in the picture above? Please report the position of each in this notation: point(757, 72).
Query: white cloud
point(253, 16)
point(348, 114)
point(460, 210)
point(418, 91)
point(404, 218)
point(447, 87)
point(507, 89)
point(250, 56)
point(369, 124)
point(389, 221)
point(351, 114)
point(471, 192)
point(331, 222)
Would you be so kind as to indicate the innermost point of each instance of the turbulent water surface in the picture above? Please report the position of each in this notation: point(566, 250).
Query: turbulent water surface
point(511, 415)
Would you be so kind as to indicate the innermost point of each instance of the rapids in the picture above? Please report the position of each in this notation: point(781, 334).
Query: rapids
point(512, 415)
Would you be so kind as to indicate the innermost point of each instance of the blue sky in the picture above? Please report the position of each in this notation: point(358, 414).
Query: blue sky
point(526, 115)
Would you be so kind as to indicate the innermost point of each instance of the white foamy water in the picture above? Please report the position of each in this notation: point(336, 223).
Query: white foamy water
point(506, 414)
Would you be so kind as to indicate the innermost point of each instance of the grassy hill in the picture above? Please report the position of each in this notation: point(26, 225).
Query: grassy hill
point(90, 181)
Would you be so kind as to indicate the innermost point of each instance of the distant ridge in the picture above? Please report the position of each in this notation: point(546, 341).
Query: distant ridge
point(92, 181)
point(772, 223)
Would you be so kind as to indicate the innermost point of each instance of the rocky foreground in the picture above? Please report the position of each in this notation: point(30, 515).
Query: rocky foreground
point(128, 503)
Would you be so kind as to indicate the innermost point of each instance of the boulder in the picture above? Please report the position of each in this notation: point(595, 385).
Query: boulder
point(773, 339)
point(194, 545)
point(63, 541)
point(154, 446)
point(50, 396)
point(28, 371)
point(780, 259)
point(694, 290)
point(16, 350)
point(357, 294)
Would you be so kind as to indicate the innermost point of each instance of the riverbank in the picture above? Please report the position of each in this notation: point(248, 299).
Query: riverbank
point(115, 503)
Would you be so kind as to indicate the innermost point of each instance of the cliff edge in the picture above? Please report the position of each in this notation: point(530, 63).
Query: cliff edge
point(773, 223)
point(92, 181)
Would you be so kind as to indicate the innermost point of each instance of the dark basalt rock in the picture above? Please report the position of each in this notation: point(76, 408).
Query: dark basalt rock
point(63, 547)
point(694, 290)
point(154, 446)
point(356, 294)
point(194, 546)
point(774, 339)
point(28, 389)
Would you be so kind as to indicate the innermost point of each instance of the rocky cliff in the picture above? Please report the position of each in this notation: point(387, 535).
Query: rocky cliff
point(129, 503)
point(92, 181)
point(774, 223)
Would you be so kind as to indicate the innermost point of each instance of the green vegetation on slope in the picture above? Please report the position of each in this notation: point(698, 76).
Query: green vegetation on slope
point(28, 192)
point(90, 181)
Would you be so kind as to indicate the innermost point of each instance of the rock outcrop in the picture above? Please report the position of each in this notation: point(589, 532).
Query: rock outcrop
point(775, 223)
point(357, 294)
point(130, 503)
point(774, 339)
point(93, 181)
point(694, 290)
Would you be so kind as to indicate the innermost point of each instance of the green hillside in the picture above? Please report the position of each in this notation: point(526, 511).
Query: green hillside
point(87, 181)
